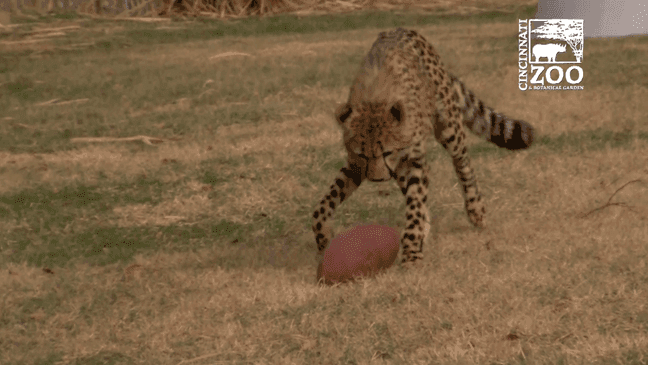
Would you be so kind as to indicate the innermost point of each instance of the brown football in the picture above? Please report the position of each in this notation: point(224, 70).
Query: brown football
point(364, 250)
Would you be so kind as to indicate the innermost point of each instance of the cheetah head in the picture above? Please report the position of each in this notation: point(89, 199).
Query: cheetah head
point(373, 136)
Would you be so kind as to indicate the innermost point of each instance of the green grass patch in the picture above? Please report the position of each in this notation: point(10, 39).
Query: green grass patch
point(576, 142)
point(291, 24)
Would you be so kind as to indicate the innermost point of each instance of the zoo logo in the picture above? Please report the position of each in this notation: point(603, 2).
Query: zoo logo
point(561, 33)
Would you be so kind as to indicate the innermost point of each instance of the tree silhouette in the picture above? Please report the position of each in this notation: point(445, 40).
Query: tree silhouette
point(568, 30)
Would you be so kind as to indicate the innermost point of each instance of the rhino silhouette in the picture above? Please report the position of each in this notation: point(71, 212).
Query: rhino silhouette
point(547, 50)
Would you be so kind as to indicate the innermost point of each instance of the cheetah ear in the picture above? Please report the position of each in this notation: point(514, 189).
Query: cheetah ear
point(397, 111)
point(343, 112)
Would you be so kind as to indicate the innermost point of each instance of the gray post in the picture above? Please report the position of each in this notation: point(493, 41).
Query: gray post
point(602, 18)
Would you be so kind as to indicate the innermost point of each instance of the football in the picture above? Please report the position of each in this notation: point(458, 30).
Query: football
point(362, 251)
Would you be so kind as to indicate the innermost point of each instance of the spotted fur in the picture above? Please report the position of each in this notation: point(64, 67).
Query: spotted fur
point(400, 97)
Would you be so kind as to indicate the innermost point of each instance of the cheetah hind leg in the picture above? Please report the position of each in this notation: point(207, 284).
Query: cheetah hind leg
point(346, 182)
point(453, 140)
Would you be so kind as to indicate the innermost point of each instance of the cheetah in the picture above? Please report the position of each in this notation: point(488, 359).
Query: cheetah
point(401, 95)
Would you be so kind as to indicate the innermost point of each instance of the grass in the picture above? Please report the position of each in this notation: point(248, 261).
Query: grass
point(198, 250)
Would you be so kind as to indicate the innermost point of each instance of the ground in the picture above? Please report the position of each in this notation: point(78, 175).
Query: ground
point(199, 250)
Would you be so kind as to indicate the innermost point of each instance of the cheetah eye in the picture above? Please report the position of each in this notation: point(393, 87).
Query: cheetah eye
point(385, 154)
point(397, 111)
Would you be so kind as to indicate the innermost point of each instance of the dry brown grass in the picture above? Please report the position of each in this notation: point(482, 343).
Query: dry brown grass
point(541, 284)
point(150, 10)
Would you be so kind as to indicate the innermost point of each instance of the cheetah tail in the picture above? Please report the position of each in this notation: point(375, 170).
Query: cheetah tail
point(494, 127)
